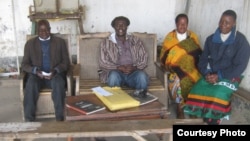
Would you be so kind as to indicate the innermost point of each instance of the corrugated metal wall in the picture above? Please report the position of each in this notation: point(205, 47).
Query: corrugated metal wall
point(204, 17)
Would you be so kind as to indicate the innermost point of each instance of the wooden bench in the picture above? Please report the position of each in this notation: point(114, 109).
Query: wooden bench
point(134, 128)
point(86, 74)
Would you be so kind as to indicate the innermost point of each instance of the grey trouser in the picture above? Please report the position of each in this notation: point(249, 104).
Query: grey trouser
point(31, 94)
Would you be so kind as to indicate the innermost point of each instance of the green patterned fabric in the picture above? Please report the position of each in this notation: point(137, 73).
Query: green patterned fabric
point(210, 100)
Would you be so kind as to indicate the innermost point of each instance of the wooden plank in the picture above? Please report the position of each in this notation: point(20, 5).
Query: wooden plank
point(94, 35)
point(137, 136)
point(87, 84)
point(32, 130)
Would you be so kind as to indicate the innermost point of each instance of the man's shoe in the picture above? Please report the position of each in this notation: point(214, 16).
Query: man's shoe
point(140, 93)
point(29, 120)
point(59, 119)
point(143, 93)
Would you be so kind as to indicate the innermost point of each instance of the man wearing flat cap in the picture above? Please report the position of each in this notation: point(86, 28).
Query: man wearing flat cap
point(123, 58)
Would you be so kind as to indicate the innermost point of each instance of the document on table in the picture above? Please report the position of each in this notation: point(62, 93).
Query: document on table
point(115, 98)
point(99, 90)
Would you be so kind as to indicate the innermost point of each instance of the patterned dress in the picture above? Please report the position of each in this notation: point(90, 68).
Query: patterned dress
point(181, 59)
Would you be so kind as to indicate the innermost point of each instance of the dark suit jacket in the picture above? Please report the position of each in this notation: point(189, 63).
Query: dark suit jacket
point(59, 55)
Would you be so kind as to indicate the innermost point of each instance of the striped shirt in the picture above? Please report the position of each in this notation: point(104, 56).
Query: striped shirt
point(110, 54)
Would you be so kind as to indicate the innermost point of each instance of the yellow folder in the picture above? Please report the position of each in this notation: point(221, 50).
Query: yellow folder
point(118, 100)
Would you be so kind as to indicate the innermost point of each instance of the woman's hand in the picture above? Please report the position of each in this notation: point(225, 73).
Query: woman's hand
point(212, 78)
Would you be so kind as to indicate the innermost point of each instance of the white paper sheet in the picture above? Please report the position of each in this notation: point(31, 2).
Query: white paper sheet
point(99, 90)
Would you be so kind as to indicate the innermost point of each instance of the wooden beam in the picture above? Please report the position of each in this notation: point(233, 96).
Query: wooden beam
point(134, 128)
point(137, 136)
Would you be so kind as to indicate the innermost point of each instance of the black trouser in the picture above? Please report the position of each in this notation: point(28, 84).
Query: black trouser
point(31, 95)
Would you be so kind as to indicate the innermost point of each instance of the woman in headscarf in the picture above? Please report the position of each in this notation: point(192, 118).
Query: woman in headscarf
point(179, 54)
point(224, 59)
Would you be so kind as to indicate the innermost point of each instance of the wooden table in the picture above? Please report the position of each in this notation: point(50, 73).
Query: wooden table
point(101, 124)
point(154, 110)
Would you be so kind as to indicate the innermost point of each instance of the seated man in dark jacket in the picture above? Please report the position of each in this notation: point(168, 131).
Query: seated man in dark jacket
point(46, 60)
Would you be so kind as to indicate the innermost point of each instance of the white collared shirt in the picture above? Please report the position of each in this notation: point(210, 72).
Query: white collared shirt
point(180, 36)
point(224, 36)
point(41, 39)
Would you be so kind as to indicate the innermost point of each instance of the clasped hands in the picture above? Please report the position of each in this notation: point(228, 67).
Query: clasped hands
point(41, 75)
point(127, 69)
point(212, 78)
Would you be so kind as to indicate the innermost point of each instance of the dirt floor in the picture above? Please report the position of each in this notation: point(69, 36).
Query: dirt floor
point(10, 110)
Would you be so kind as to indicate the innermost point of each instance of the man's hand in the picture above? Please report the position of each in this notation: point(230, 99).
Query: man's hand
point(211, 78)
point(39, 74)
point(130, 69)
point(52, 74)
point(127, 69)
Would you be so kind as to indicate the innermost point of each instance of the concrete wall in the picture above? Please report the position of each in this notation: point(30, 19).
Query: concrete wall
point(145, 16)
point(14, 23)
